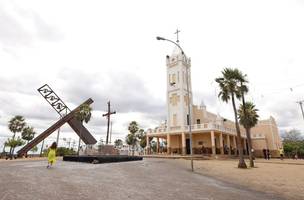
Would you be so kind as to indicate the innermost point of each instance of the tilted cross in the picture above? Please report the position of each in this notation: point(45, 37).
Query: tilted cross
point(177, 31)
point(108, 114)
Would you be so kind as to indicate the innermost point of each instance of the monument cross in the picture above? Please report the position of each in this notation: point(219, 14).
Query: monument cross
point(177, 31)
point(108, 114)
point(66, 116)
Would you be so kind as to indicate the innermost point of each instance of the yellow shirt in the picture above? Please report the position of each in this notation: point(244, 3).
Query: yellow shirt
point(281, 151)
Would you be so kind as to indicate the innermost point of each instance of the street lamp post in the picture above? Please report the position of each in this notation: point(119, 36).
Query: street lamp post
point(188, 98)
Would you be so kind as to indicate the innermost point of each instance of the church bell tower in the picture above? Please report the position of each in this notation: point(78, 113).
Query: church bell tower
point(178, 67)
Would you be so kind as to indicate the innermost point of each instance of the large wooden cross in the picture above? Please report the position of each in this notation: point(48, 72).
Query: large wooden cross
point(67, 116)
point(108, 114)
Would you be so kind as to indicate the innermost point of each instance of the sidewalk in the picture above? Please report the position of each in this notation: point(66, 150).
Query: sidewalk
point(278, 161)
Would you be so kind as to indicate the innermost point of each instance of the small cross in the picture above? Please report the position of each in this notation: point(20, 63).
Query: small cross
point(108, 114)
point(177, 31)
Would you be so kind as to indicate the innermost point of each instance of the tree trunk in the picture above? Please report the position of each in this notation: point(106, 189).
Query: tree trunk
point(11, 148)
point(242, 163)
point(79, 140)
point(250, 147)
point(4, 149)
point(247, 131)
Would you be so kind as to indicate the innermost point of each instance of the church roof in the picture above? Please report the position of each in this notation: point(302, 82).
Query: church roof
point(176, 51)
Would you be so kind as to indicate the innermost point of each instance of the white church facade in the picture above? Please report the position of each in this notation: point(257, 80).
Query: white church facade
point(211, 133)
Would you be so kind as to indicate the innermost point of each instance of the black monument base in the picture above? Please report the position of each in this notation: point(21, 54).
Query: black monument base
point(101, 158)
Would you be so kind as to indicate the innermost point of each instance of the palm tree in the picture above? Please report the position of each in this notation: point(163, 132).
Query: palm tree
point(248, 118)
point(131, 138)
point(229, 90)
point(15, 125)
point(83, 114)
point(28, 133)
point(133, 127)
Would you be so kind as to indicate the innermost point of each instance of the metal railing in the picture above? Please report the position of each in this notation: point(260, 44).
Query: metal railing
point(195, 127)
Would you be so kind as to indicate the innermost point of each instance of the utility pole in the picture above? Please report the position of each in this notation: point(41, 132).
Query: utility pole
point(41, 148)
point(301, 106)
point(111, 133)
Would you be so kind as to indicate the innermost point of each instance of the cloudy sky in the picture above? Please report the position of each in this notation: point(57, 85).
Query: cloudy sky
point(107, 50)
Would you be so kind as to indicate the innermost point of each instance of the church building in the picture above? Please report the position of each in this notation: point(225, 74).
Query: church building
point(211, 133)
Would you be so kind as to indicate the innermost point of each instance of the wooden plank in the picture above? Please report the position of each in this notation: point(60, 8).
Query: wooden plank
point(88, 137)
point(81, 131)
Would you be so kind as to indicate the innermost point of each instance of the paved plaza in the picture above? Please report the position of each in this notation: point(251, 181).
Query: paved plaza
point(147, 179)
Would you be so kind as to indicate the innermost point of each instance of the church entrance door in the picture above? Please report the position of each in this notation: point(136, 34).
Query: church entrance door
point(188, 146)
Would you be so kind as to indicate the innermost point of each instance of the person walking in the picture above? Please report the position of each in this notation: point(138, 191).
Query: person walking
point(268, 154)
point(281, 153)
point(252, 153)
point(265, 154)
point(52, 155)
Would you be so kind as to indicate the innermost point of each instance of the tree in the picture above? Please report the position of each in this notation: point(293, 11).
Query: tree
point(15, 125)
point(153, 146)
point(83, 114)
point(13, 143)
point(62, 151)
point(229, 90)
point(142, 137)
point(133, 127)
point(28, 133)
point(131, 138)
point(248, 118)
point(292, 135)
point(34, 149)
point(293, 143)
point(118, 143)
point(4, 145)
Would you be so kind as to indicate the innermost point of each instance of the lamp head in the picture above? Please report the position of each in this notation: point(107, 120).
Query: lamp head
point(160, 38)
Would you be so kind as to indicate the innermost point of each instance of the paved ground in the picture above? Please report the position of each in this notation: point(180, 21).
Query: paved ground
point(148, 179)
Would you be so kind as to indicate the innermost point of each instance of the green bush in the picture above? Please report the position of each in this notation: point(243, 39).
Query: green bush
point(62, 151)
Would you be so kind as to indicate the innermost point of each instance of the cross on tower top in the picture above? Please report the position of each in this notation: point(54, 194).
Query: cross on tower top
point(177, 31)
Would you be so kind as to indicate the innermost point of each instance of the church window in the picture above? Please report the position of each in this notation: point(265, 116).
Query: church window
point(174, 120)
point(173, 78)
point(198, 121)
point(188, 119)
point(178, 77)
point(174, 99)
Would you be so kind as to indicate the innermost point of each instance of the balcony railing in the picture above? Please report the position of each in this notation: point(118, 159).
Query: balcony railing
point(196, 127)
